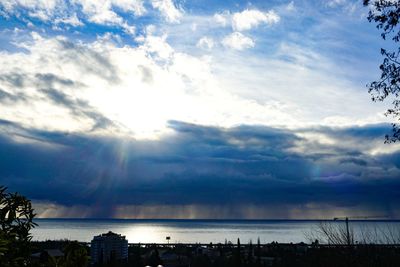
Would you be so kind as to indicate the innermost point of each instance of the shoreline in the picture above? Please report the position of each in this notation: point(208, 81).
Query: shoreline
point(216, 220)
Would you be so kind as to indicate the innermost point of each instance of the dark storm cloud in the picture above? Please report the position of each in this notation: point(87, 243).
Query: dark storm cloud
point(362, 133)
point(393, 157)
point(353, 160)
point(198, 165)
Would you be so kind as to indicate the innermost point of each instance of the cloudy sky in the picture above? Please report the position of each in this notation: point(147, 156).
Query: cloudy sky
point(194, 109)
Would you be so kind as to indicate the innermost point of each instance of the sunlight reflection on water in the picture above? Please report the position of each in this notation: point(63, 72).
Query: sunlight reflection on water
point(156, 231)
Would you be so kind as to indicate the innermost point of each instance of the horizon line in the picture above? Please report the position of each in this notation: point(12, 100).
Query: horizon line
point(216, 219)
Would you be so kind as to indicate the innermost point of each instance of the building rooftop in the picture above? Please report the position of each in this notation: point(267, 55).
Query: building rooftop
point(109, 235)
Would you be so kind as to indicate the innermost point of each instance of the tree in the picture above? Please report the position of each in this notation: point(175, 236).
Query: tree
point(237, 255)
point(154, 258)
point(250, 262)
point(258, 263)
point(332, 233)
point(386, 13)
point(16, 220)
point(75, 255)
point(137, 257)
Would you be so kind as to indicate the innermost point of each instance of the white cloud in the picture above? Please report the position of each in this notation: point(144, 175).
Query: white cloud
point(58, 11)
point(205, 43)
point(42, 9)
point(291, 7)
point(156, 83)
point(248, 19)
point(301, 80)
point(73, 20)
point(129, 29)
point(168, 9)
point(299, 55)
point(139, 89)
point(101, 11)
point(238, 41)
point(157, 45)
point(335, 3)
point(49, 5)
point(135, 6)
point(349, 7)
point(222, 18)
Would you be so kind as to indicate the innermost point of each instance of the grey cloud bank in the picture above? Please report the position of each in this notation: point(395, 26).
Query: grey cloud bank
point(244, 171)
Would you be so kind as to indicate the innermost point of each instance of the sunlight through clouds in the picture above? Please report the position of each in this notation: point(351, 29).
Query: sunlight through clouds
point(119, 85)
point(135, 102)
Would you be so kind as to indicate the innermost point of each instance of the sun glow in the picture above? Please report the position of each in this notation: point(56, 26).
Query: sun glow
point(152, 234)
point(134, 90)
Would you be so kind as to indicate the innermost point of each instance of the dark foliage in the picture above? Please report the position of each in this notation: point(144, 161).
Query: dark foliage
point(16, 220)
point(201, 261)
point(154, 259)
point(135, 257)
point(386, 14)
point(260, 255)
point(75, 255)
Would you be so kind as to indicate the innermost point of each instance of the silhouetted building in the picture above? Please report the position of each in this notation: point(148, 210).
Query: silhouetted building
point(109, 247)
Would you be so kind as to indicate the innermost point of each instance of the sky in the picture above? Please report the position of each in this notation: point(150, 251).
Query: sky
point(194, 109)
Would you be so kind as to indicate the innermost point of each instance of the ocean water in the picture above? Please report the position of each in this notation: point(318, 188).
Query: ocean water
point(191, 231)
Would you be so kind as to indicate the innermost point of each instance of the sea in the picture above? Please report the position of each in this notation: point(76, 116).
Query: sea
point(194, 231)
